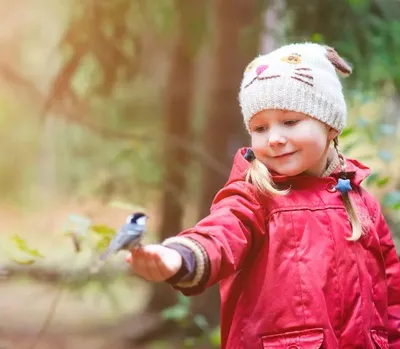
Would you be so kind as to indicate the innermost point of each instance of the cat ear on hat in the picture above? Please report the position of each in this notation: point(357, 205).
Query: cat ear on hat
point(341, 66)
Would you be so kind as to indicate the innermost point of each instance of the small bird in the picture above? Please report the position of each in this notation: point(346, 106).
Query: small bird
point(129, 235)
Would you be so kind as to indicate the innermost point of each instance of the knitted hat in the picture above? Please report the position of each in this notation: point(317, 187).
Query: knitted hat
point(296, 77)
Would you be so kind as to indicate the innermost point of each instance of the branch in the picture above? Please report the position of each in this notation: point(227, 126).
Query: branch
point(55, 274)
point(62, 82)
point(49, 317)
point(77, 114)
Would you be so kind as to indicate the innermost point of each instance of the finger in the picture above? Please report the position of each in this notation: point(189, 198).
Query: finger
point(132, 256)
point(128, 258)
point(153, 269)
point(139, 263)
point(139, 267)
point(147, 263)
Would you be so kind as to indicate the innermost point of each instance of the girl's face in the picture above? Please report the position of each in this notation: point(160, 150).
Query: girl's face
point(291, 143)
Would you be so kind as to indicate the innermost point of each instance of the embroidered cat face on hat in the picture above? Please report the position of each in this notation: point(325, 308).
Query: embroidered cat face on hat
point(297, 77)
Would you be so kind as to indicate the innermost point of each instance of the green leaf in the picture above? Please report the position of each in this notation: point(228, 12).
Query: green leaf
point(317, 38)
point(348, 147)
point(347, 132)
point(34, 253)
point(392, 200)
point(23, 262)
point(182, 299)
point(103, 230)
point(215, 337)
point(373, 177)
point(177, 313)
point(356, 3)
point(21, 243)
point(103, 243)
point(22, 246)
point(381, 182)
point(201, 322)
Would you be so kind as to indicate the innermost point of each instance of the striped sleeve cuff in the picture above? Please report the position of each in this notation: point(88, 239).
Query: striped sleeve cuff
point(200, 256)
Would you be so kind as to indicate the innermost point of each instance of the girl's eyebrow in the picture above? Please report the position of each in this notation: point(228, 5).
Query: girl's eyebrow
point(259, 122)
point(292, 114)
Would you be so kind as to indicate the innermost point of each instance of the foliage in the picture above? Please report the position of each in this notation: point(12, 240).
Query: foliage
point(99, 131)
point(365, 32)
point(30, 255)
point(369, 140)
point(181, 314)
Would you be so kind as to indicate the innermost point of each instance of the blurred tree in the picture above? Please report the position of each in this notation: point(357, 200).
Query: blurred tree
point(178, 98)
point(236, 28)
point(100, 33)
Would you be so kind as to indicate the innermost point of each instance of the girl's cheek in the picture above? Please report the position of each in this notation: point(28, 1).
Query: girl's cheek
point(258, 144)
point(257, 140)
point(259, 153)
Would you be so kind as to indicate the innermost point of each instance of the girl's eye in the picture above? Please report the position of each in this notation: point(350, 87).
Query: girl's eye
point(291, 122)
point(259, 129)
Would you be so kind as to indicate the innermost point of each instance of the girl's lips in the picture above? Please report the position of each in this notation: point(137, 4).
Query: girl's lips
point(283, 155)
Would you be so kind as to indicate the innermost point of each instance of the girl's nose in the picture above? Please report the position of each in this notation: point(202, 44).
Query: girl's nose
point(276, 139)
point(260, 69)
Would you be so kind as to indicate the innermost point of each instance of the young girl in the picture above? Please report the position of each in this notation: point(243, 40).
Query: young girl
point(302, 252)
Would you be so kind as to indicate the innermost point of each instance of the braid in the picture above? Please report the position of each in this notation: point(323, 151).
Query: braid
point(340, 155)
point(357, 228)
point(259, 175)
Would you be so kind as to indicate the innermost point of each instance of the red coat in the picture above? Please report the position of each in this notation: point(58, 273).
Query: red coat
point(289, 278)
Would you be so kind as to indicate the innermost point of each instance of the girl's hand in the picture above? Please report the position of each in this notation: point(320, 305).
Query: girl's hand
point(155, 262)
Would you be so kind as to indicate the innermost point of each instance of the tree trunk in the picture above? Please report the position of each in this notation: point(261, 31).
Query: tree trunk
point(236, 34)
point(178, 100)
point(273, 35)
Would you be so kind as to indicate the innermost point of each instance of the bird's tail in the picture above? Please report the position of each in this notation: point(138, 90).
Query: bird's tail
point(103, 256)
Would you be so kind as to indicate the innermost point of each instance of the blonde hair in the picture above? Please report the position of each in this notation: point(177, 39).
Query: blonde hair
point(260, 177)
point(357, 228)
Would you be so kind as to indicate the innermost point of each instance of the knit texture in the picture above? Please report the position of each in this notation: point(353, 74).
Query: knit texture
point(296, 77)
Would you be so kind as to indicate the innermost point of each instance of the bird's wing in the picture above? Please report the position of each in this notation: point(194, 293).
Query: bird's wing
point(123, 237)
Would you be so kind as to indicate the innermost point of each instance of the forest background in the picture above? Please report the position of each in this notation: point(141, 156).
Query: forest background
point(111, 106)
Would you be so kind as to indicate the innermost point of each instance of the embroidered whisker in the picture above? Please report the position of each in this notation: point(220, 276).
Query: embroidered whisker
point(263, 78)
point(303, 69)
point(305, 75)
point(269, 77)
point(250, 82)
point(306, 82)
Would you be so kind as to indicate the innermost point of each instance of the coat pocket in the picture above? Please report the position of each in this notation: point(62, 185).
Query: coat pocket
point(306, 339)
point(380, 339)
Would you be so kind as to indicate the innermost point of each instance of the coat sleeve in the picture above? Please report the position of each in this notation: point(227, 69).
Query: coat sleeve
point(392, 267)
point(222, 240)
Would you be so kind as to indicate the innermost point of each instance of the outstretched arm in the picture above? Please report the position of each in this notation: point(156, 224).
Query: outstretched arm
point(219, 243)
point(213, 249)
